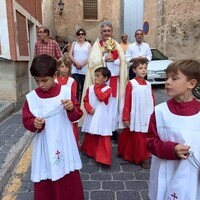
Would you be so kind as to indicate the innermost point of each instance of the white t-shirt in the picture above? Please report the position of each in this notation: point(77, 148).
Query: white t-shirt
point(80, 54)
point(135, 50)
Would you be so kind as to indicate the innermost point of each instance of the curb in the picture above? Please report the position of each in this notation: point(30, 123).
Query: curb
point(13, 158)
point(6, 109)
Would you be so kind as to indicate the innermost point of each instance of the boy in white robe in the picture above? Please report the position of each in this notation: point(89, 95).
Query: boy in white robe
point(48, 112)
point(174, 136)
point(98, 121)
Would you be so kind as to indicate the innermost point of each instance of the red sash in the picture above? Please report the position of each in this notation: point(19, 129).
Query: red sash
point(113, 85)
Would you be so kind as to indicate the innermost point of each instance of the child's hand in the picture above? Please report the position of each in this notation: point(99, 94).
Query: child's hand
point(182, 151)
point(126, 123)
point(38, 123)
point(67, 104)
point(92, 111)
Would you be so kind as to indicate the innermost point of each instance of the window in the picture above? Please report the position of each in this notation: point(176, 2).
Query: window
point(90, 9)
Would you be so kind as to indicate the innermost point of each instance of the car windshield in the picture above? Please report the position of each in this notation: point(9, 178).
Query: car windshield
point(157, 55)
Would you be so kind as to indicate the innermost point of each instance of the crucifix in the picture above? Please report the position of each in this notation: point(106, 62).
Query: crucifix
point(58, 154)
point(174, 196)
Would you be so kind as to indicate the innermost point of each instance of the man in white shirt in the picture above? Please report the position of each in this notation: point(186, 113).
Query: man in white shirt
point(138, 49)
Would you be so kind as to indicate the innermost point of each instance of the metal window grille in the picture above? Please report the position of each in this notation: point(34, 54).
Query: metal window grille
point(90, 9)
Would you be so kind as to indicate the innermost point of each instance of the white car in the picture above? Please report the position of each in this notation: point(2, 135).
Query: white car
point(156, 67)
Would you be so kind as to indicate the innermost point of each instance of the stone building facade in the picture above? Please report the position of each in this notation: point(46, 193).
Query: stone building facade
point(18, 33)
point(49, 10)
point(174, 27)
point(72, 19)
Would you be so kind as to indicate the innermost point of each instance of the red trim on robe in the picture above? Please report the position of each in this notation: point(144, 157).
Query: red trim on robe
point(63, 81)
point(68, 187)
point(113, 85)
point(115, 54)
point(98, 147)
point(165, 149)
point(102, 96)
point(28, 117)
point(132, 146)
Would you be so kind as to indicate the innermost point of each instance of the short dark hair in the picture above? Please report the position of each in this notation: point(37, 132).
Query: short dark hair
point(80, 30)
point(139, 61)
point(138, 31)
point(189, 67)
point(104, 71)
point(47, 31)
point(43, 65)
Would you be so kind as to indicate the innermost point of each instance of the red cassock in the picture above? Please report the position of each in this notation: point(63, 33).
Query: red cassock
point(95, 145)
point(155, 145)
point(132, 146)
point(69, 186)
point(64, 81)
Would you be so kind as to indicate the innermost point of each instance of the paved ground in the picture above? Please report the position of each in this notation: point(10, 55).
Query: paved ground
point(123, 181)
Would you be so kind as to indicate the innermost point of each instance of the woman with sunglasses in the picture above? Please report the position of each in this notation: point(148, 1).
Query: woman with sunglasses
point(79, 54)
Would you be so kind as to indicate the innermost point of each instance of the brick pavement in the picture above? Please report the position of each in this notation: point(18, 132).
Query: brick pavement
point(13, 141)
point(123, 181)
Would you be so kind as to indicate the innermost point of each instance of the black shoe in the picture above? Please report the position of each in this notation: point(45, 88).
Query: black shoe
point(105, 166)
point(115, 136)
point(145, 164)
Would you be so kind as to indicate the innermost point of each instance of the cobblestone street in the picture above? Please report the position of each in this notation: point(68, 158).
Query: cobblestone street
point(123, 180)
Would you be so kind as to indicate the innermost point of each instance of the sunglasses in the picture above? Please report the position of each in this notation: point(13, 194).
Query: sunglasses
point(139, 34)
point(106, 31)
point(80, 34)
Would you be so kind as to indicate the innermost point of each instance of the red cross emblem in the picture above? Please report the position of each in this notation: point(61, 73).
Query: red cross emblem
point(174, 196)
point(58, 154)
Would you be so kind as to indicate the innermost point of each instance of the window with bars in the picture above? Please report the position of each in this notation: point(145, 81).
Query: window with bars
point(90, 9)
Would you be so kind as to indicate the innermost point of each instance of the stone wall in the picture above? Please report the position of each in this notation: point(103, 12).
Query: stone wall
point(48, 16)
point(14, 83)
point(150, 8)
point(72, 19)
point(177, 28)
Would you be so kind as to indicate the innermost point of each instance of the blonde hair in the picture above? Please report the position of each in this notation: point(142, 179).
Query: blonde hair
point(65, 61)
point(65, 48)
